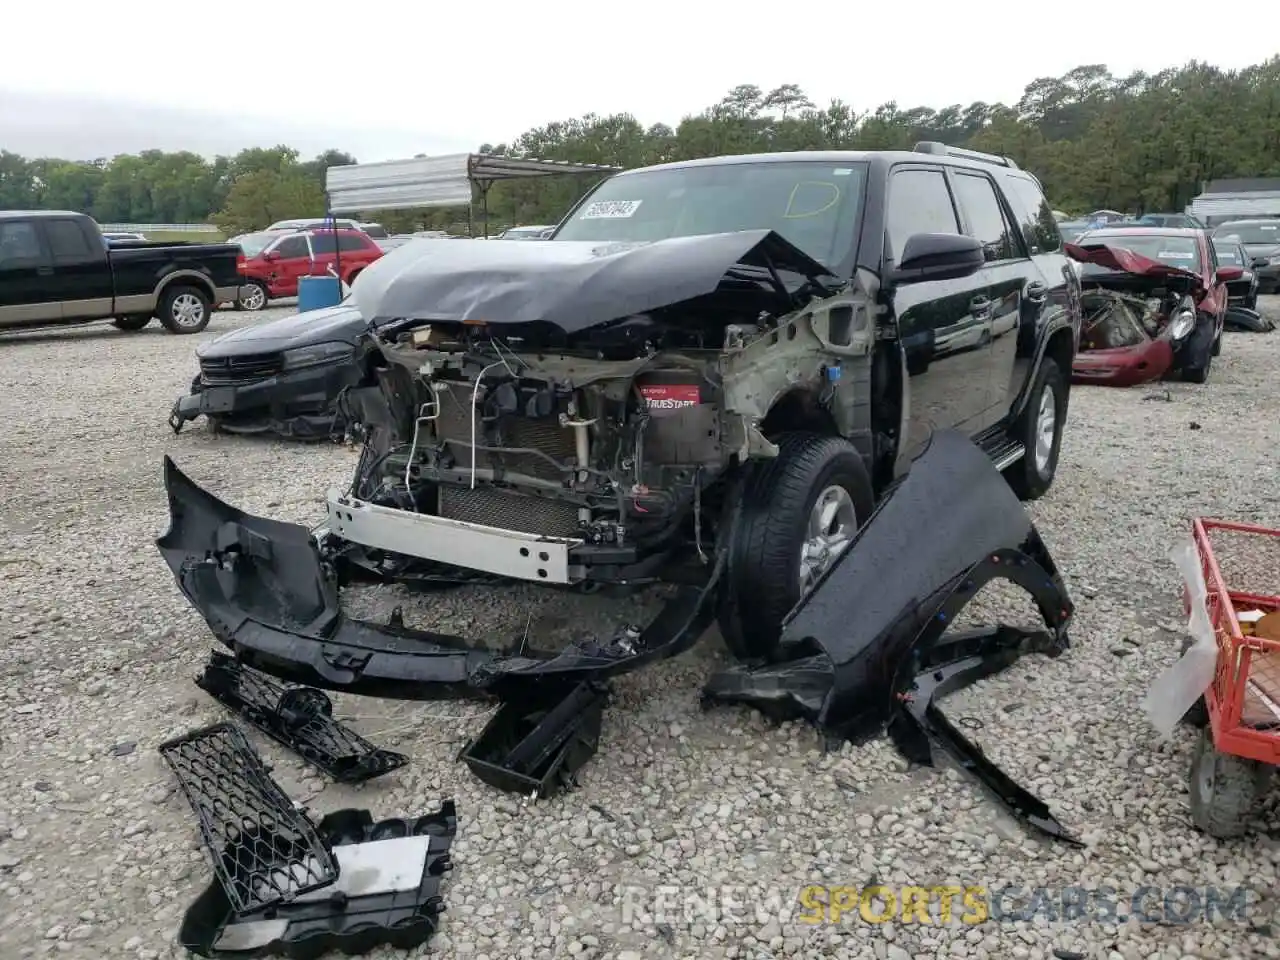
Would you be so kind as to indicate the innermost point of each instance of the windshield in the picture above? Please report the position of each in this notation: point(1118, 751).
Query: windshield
point(254, 243)
point(815, 204)
point(1260, 232)
point(1172, 251)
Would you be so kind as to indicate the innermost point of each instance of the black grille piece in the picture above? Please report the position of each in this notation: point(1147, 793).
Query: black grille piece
point(263, 849)
point(510, 511)
point(300, 718)
point(223, 371)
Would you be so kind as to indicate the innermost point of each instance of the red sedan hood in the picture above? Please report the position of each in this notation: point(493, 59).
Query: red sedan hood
point(1126, 261)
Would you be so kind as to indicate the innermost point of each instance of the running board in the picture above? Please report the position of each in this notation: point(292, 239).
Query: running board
point(1007, 455)
point(995, 443)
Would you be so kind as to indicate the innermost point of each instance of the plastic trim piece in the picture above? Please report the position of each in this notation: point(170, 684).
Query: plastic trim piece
point(299, 718)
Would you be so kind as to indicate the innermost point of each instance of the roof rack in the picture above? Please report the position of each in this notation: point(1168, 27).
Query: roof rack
point(941, 149)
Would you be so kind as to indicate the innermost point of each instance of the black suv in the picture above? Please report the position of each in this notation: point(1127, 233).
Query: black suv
point(711, 372)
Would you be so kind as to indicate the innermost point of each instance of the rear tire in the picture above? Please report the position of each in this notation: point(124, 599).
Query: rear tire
point(778, 529)
point(132, 323)
point(1041, 438)
point(256, 298)
point(185, 309)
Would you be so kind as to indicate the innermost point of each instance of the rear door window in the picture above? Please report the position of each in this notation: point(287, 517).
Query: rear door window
point(985, 216)
point(919, 202)
point(68, 243)
point(322, 242)
point(1035, 218)
point(351, 243)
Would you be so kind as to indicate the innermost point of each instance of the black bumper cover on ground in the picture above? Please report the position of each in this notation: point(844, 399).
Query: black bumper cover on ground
point(269, 595)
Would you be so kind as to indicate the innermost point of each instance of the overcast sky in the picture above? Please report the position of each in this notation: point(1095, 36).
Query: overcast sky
point(391, 79)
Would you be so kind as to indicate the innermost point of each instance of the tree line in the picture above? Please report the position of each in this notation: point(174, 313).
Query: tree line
point(1140, 143)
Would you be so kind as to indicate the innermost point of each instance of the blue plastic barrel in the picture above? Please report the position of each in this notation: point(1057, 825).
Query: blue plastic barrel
point(316, 293)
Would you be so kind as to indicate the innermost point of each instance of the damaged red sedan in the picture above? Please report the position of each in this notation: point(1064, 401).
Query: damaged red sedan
point(1154, 301)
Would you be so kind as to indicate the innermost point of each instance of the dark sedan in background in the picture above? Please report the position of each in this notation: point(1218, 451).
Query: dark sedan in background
point(1261, 241)
point(284, 377)
point(1242, 292)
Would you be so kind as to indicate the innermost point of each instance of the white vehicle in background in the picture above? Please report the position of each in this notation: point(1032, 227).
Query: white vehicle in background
point(375, 230)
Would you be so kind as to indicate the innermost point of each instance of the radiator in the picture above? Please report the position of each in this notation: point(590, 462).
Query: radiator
point(453, 426)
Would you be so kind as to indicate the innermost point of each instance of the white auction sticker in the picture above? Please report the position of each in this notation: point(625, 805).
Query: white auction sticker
point(609, 210)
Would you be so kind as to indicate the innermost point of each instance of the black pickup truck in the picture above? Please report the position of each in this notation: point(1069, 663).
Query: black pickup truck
point(56, 269)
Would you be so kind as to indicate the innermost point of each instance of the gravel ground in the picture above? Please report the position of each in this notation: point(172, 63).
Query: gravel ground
point(99, 857)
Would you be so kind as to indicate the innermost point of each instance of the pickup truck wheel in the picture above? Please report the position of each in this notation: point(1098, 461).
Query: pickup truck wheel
point(132, 323)
point(185, 309)
point(1039, 430)
point(255, 296)
point(799, 513)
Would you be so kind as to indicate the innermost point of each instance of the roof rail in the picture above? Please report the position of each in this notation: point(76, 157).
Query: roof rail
point(936, 147)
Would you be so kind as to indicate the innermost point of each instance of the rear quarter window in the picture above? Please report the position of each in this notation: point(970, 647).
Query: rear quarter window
point(1035, 217)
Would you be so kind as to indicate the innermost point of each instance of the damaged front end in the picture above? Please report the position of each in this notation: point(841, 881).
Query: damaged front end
point(1140, 317)
point(581, 431)
point(870, 645)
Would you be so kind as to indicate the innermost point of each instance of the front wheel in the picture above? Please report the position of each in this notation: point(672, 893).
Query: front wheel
point(1039, 430)
point(185, 309)
point(799, 514)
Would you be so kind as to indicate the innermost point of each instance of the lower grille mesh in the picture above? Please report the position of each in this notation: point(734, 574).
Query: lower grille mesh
point(509, 511)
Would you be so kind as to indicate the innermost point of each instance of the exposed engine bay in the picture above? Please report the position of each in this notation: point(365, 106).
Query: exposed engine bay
point(1113, 319)
point(610, 440)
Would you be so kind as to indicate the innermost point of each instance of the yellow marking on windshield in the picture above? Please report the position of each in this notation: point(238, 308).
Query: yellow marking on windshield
point(835, 198)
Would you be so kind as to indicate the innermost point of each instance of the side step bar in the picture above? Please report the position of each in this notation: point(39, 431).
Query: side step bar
point(995, 443)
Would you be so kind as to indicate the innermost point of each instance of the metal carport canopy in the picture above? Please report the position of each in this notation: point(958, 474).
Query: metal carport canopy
point(444, 181)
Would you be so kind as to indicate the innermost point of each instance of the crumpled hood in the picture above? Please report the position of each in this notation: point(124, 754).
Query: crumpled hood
point(570, 284)
point(343, 322)
point(1126, 261)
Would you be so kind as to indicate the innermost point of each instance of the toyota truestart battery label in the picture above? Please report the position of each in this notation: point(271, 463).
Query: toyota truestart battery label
point(666, 397)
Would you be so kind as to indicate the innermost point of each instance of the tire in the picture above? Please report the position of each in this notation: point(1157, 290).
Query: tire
point(185, 309)
point(132, 323)
point(779, 497)
point(1199, 373)
point(1032, 476)
point(1216, 349)
point(1224, 789)
point(351, 278)
point(257, 299)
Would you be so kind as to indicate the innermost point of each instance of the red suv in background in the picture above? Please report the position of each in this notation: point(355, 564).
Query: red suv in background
point(273, 269)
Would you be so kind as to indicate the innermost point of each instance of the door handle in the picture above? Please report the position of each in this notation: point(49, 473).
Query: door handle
point(44, 271)
point(1036, 291)
point(980, 306)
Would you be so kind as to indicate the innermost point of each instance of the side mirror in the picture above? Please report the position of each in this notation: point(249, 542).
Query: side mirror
point(1228, 274)
point(271, 255)
point(937, 256)
point(1261, 262)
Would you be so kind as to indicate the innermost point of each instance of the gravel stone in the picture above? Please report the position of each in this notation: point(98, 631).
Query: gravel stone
point(686, 821)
